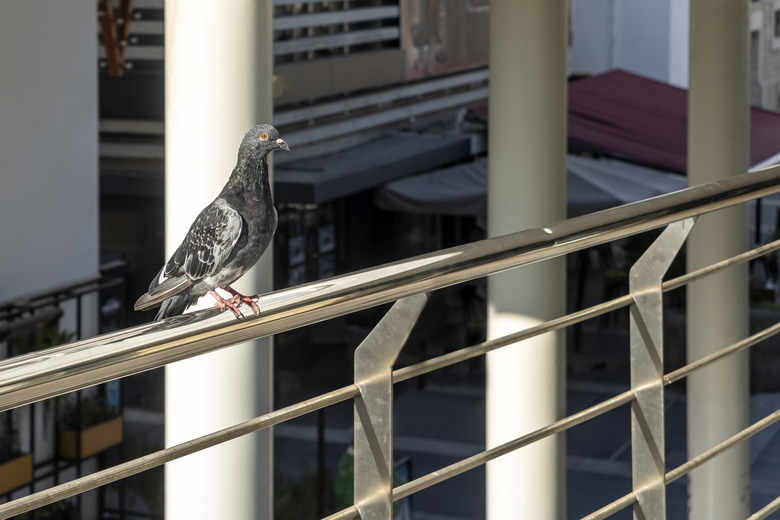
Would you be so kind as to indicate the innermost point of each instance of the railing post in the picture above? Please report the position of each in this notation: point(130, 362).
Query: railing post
point(374, 359)
point(647, 370)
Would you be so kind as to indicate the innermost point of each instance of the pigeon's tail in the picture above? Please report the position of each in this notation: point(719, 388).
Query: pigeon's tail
point(173, 306)
point(161, 291)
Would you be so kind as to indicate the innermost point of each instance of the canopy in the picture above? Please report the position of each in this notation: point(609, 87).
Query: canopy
point(592, 185)
point(632, 117)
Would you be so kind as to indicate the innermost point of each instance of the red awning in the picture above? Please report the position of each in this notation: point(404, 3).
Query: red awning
point(631, 117)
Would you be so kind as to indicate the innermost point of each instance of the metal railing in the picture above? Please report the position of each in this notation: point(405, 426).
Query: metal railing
point(30, 378)
point(66, 312)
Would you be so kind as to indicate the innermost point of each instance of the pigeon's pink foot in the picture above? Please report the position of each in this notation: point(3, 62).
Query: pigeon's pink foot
point(223, 304)
point(239, 299)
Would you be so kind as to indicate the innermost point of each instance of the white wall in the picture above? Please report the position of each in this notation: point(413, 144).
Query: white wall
point(642, 37)
point(679, 35)
point(647, 37)
point(590, 51)
point(48, 144)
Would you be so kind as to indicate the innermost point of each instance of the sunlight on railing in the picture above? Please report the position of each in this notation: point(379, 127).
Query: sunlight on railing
point(33, 377)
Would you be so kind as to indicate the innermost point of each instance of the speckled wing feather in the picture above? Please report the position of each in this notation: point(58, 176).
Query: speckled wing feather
point(211, 239)
point(208, 244)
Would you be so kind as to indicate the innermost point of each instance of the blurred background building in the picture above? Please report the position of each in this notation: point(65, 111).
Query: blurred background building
point(384, 103)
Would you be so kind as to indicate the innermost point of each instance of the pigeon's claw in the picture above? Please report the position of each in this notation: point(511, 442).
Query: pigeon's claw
point(223, 304)
point(239, 299)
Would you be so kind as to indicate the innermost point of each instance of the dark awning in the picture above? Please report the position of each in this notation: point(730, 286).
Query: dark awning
point(617, 114)
point(631, 117)
point(592, 185)
point(327, 177)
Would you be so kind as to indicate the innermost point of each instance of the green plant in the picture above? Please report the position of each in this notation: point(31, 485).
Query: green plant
point(62, 510)
point(45, 335)
point(344, 484)
point(9, 439)
point(94, 410)
point(762, 298)
point(150, 484)
point(298, 500)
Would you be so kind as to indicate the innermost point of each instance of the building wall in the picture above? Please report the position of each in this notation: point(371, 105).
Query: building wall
point(590, 49)
point(48, 145)
point(679, 29)
point(765, 52)
point(642, 37)
point(647, 37)
point(650, 37)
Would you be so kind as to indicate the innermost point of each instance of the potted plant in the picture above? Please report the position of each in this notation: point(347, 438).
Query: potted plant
point(88, 429)
point(62, 510)
point(38, 331)
point(16, 468)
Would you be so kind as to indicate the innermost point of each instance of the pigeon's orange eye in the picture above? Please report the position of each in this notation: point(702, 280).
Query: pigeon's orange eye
point(263, 136)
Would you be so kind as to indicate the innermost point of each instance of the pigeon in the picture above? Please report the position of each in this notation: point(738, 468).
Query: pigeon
point(226, 239)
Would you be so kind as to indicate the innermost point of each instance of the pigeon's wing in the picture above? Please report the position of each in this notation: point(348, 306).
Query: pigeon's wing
point(208, 244)
point(211, 239)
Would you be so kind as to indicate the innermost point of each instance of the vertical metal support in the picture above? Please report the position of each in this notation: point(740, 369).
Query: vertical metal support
point(374, 359)
point(647, 370)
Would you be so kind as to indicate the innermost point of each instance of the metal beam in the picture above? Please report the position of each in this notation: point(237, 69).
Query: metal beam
point(339, 17)
point(314, 43)
point(647, 370)
point(374, 359)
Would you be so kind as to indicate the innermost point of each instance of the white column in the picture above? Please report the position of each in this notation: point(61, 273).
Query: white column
point(527, 151)
point(718, 396)
point(262, 274)
point(217, 85)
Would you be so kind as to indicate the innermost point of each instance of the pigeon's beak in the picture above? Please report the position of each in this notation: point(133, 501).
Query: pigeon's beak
point(281, 144)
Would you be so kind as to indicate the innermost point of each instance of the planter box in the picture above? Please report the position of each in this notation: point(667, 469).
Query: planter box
point(93, 439)
point(16, 473)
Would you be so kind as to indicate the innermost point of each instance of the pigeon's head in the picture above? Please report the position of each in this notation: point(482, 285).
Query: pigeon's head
point(261, 140)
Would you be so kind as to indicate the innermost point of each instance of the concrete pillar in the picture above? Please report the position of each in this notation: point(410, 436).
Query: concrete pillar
point(527, 151)
point(718, 130)
point(218, 71)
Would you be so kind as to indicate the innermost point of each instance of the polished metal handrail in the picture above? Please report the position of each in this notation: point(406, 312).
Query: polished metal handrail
point(163, 456)
point(33, 377)
point(30, 378)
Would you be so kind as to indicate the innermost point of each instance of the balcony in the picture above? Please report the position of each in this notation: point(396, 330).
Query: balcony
point(407, 285)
